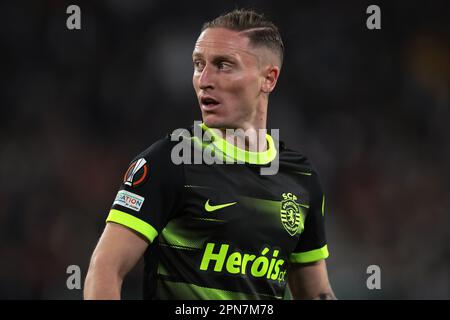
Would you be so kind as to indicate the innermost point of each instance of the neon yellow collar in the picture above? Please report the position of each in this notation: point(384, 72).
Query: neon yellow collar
point(242, 155)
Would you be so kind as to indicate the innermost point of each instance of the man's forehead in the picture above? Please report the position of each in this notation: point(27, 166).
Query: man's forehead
point(222, 39)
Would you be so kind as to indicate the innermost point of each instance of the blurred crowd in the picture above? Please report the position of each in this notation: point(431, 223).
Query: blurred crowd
point(370, 108)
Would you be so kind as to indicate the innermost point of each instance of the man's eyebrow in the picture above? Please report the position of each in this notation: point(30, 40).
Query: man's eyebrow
point(224, 57)
point(215, 57)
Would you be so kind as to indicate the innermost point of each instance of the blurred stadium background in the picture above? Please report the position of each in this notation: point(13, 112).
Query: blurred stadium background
point(369, 108)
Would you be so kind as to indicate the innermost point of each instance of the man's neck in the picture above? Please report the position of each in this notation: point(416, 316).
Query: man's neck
point(249, 135)
point(249, 138)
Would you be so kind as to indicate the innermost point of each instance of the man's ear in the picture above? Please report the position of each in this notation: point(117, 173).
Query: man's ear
point(271, 74)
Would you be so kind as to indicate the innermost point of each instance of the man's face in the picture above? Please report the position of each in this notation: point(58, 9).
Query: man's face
point(227, 78)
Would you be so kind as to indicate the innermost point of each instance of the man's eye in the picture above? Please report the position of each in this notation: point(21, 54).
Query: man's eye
point(198, 65)
point(224, 65)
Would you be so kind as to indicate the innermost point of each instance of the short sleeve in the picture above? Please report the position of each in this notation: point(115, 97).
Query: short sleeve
point(312, 244)
point(151, 192)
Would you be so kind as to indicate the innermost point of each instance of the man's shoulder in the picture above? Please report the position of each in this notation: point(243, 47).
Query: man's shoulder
point(162, 147)
point(295, 160)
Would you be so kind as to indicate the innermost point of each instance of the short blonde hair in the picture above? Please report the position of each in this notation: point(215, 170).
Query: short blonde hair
point(259, 30)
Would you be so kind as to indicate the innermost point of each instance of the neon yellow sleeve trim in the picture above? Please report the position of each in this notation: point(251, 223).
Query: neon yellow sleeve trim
point(132, 222)
point(309, 256)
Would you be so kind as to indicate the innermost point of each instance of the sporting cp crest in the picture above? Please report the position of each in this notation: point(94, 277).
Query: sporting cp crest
point(291, 216)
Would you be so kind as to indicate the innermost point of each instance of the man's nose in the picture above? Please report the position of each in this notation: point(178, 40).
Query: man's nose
point(206, 78)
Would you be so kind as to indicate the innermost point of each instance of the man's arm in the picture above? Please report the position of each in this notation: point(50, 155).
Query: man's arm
point(310, 281)
point(117, 252)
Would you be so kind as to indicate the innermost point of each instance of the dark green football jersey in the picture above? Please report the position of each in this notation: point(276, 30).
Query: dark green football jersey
point(221, 230)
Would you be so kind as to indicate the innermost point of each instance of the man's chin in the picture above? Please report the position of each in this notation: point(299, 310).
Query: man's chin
point(214, 121)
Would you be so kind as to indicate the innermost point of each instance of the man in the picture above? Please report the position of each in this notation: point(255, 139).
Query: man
point(220, 231)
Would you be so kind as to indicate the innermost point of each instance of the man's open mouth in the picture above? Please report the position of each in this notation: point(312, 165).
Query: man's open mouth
point(209, 102)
